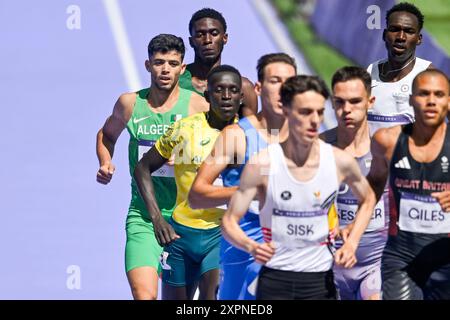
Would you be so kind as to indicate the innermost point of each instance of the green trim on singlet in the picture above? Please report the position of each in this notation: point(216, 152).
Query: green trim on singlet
point(185, 82)
point(145, 127)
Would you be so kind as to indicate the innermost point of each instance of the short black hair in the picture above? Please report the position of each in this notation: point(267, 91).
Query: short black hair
point(224, 68)
point(429, 71)
point(207, 13)
point(273, 58)
point(351, 73)
point(406, 7)
point(300, 84)
point(164, 43)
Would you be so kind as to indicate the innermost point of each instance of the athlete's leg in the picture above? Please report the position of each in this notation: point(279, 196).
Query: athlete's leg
point(209, 282)
point(396, 281)
point(175, 293)
point(180, 271)
point(186, 292)
point(346, 282)
point(209, 265)
point(376, 296)
point(273, 285)
point(397, 285)
point(143, 283)
point(142, 261)
point(438, 285)
point(238, 269)
point(434, 269)
point(230, 275)
point(370, 288)
point(248, 291)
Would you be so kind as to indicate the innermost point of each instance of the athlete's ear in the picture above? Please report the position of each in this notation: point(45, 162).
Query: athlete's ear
point(147, 65)
point(225, 38)
point(258, 88)
point(206, 93)
point(371, 102)
point(384, 35)
point(448, 108)
point(191, 42)
point(183, 68)
point(419, 41)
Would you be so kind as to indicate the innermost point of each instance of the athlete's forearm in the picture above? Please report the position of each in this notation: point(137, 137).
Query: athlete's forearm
point(143, 178)
point(235, 235)
point(377, 185)
point(105, 148)
point(201, 196)
point(362, 219)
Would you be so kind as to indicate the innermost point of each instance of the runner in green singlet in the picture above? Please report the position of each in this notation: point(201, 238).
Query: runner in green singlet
point(147, 114)
point(208, 35)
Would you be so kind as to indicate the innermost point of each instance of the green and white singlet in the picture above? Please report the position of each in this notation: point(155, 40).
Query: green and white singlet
point(185, 82)
point(145, 127)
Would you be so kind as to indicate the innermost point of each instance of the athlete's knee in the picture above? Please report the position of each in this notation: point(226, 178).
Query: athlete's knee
point(141, 292)
point(208, 285)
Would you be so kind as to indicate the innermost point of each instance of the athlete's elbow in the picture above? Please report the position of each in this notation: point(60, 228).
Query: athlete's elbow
point(138, 172)
point(225, 226)
point(194, 199)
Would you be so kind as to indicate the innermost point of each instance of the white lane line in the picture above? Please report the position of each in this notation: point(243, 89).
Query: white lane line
point(280, 34)
point(122, 44)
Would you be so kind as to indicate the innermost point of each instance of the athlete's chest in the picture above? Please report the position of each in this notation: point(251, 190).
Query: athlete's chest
point(196, 145)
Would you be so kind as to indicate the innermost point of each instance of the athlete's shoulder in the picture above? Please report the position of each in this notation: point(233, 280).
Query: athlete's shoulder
point(259, 164)
point(375, 64)
point(192, 120)
point(233, 133)
point(253, 119)
point(387, 136)
point(233, 129)
point(197, 103)
point(339, 154)
point(247, 82)
point(123, 108)
point(423, 64)
point(185, 126)
point(346, 165)
point(127, 99)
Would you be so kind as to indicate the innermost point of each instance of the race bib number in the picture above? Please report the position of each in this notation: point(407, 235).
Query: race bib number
point(165, 171)
point(299, 228)
point(423, 214)
point(348, 207)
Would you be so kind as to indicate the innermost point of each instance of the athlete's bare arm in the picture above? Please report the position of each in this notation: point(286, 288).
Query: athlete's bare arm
point(250, 99)
point(110, 132)
point(253, 181)
point(228, 147)
point(349, 173)
point(197, 104)
point(382, 146)
point(150, 162)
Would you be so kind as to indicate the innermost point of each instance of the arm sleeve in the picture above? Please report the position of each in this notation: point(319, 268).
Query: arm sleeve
point(167, 142)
